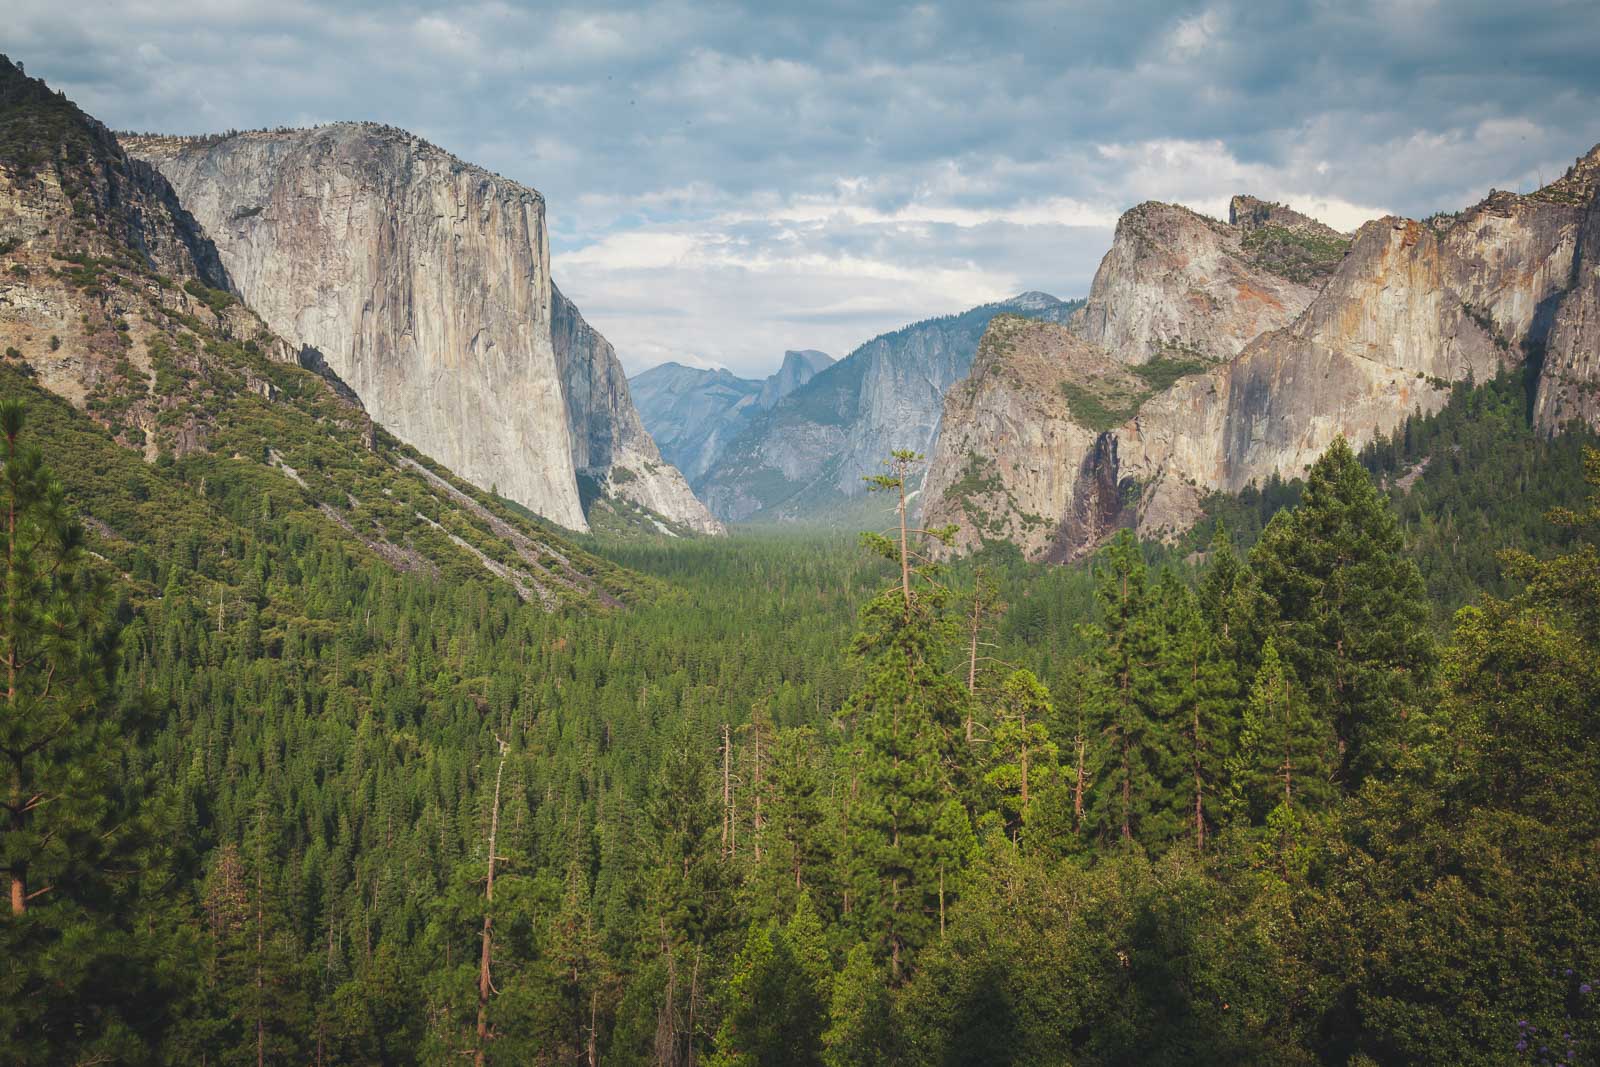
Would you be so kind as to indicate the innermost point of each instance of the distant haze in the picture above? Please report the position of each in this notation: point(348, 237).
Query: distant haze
point(728, 182)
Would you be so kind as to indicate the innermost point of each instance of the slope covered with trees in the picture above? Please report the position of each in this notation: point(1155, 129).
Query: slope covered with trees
point(273, 792)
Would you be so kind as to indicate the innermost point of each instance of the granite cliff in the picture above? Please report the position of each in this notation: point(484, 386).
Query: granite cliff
point(181, 425)
point(805, 458)
point(1048, 444)
point(693, 412)
point(424, 283)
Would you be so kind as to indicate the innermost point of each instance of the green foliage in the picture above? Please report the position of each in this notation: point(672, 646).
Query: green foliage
point(1090, 410)
point(1299, 255)
point(218, 300)
point(1348, 610)
point(329, 724)
point(81, 975)
point(1162, 372)
point(39, 127)
point(1102, 406)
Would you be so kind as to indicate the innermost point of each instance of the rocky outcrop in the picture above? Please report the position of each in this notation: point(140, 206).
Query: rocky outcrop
point(797, 369)
point(693, 412)
point(424, 283)
point(610, 446)
point(110, 300)
point(1569, 385)
point(806, 457)
point(1411, 308)
point(69, 176)
point(1178, 284)
point(1012, 462)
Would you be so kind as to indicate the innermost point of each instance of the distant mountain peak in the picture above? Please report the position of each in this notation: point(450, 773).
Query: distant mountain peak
point(1252, 213)
point(799, 367)
point(1031, 300)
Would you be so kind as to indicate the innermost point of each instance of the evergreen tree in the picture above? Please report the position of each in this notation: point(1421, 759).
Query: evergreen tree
point(776, 1002)
point(862, 1029)
point(1205, 698)
point(1129, 703)
point(1023, 759)
point(79, 970)
point(909, 713)
point(1350, 611)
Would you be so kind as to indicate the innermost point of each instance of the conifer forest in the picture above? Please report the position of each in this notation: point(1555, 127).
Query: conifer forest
point(1203, 670)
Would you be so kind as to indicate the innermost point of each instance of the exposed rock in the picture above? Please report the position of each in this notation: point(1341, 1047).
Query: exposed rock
point(692, 413)
point(424, 283)
point(1569, 386)
point(110, 305)
point(1178, 283)
point(609, 444)
point(1410, 309)
point(798, 368)
point(68, 176)
point(1010, 463)
point(805, 459)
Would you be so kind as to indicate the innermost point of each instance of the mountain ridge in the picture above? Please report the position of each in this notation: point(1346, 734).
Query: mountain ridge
point(184, 425)
point(692, 411)
point(805, 458)
point(424, 281)
point(1408, 309)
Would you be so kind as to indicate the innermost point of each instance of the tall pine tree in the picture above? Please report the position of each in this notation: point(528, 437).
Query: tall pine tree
point(1350, 610)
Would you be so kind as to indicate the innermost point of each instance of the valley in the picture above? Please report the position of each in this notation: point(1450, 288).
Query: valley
point(1206, 670)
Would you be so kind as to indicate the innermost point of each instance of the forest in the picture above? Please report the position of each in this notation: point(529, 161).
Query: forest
point(1318, 785)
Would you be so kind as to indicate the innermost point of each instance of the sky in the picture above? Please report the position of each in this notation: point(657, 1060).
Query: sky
point(725, 181)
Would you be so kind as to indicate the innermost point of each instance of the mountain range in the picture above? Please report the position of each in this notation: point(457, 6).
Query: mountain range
point(151, 278)
point(803, 458)
point(424, 283)
point(692, 412)
point(184, 426)
point(1214, 355)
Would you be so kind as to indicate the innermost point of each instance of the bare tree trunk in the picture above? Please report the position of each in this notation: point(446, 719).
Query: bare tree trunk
point(1199, 788)
point(593, 1046)
point(261, 994)
point(727, 795)
point(1077, 789)
point(757, 740)
point(484, 985)
point(1288, 758)
point(1127, 791)
point(18, 806)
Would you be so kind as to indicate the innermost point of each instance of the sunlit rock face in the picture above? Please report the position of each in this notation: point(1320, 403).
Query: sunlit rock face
point(424, 283)
point(806, 457)
point(1051, 444)
point(693, 412)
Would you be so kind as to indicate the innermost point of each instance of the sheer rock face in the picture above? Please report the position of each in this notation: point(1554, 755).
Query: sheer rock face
point(1410, 308)
point(798, 368)
point(609, 442)
point(1178, 283)
point(425, 285)
point(1569, 387)
point(1011, 462)
point(806, 457)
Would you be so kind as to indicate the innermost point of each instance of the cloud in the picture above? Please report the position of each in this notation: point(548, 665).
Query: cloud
point(730, 179)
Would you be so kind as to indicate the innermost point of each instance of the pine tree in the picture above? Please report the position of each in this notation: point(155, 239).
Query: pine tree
point(776, 1003)
point(861, 1022)
point(1287, 755)
point(909, 713)
point(1129, 702)
point(77, 976)
point(1205, 706)
point(1023, 758)
point(1350, 610)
